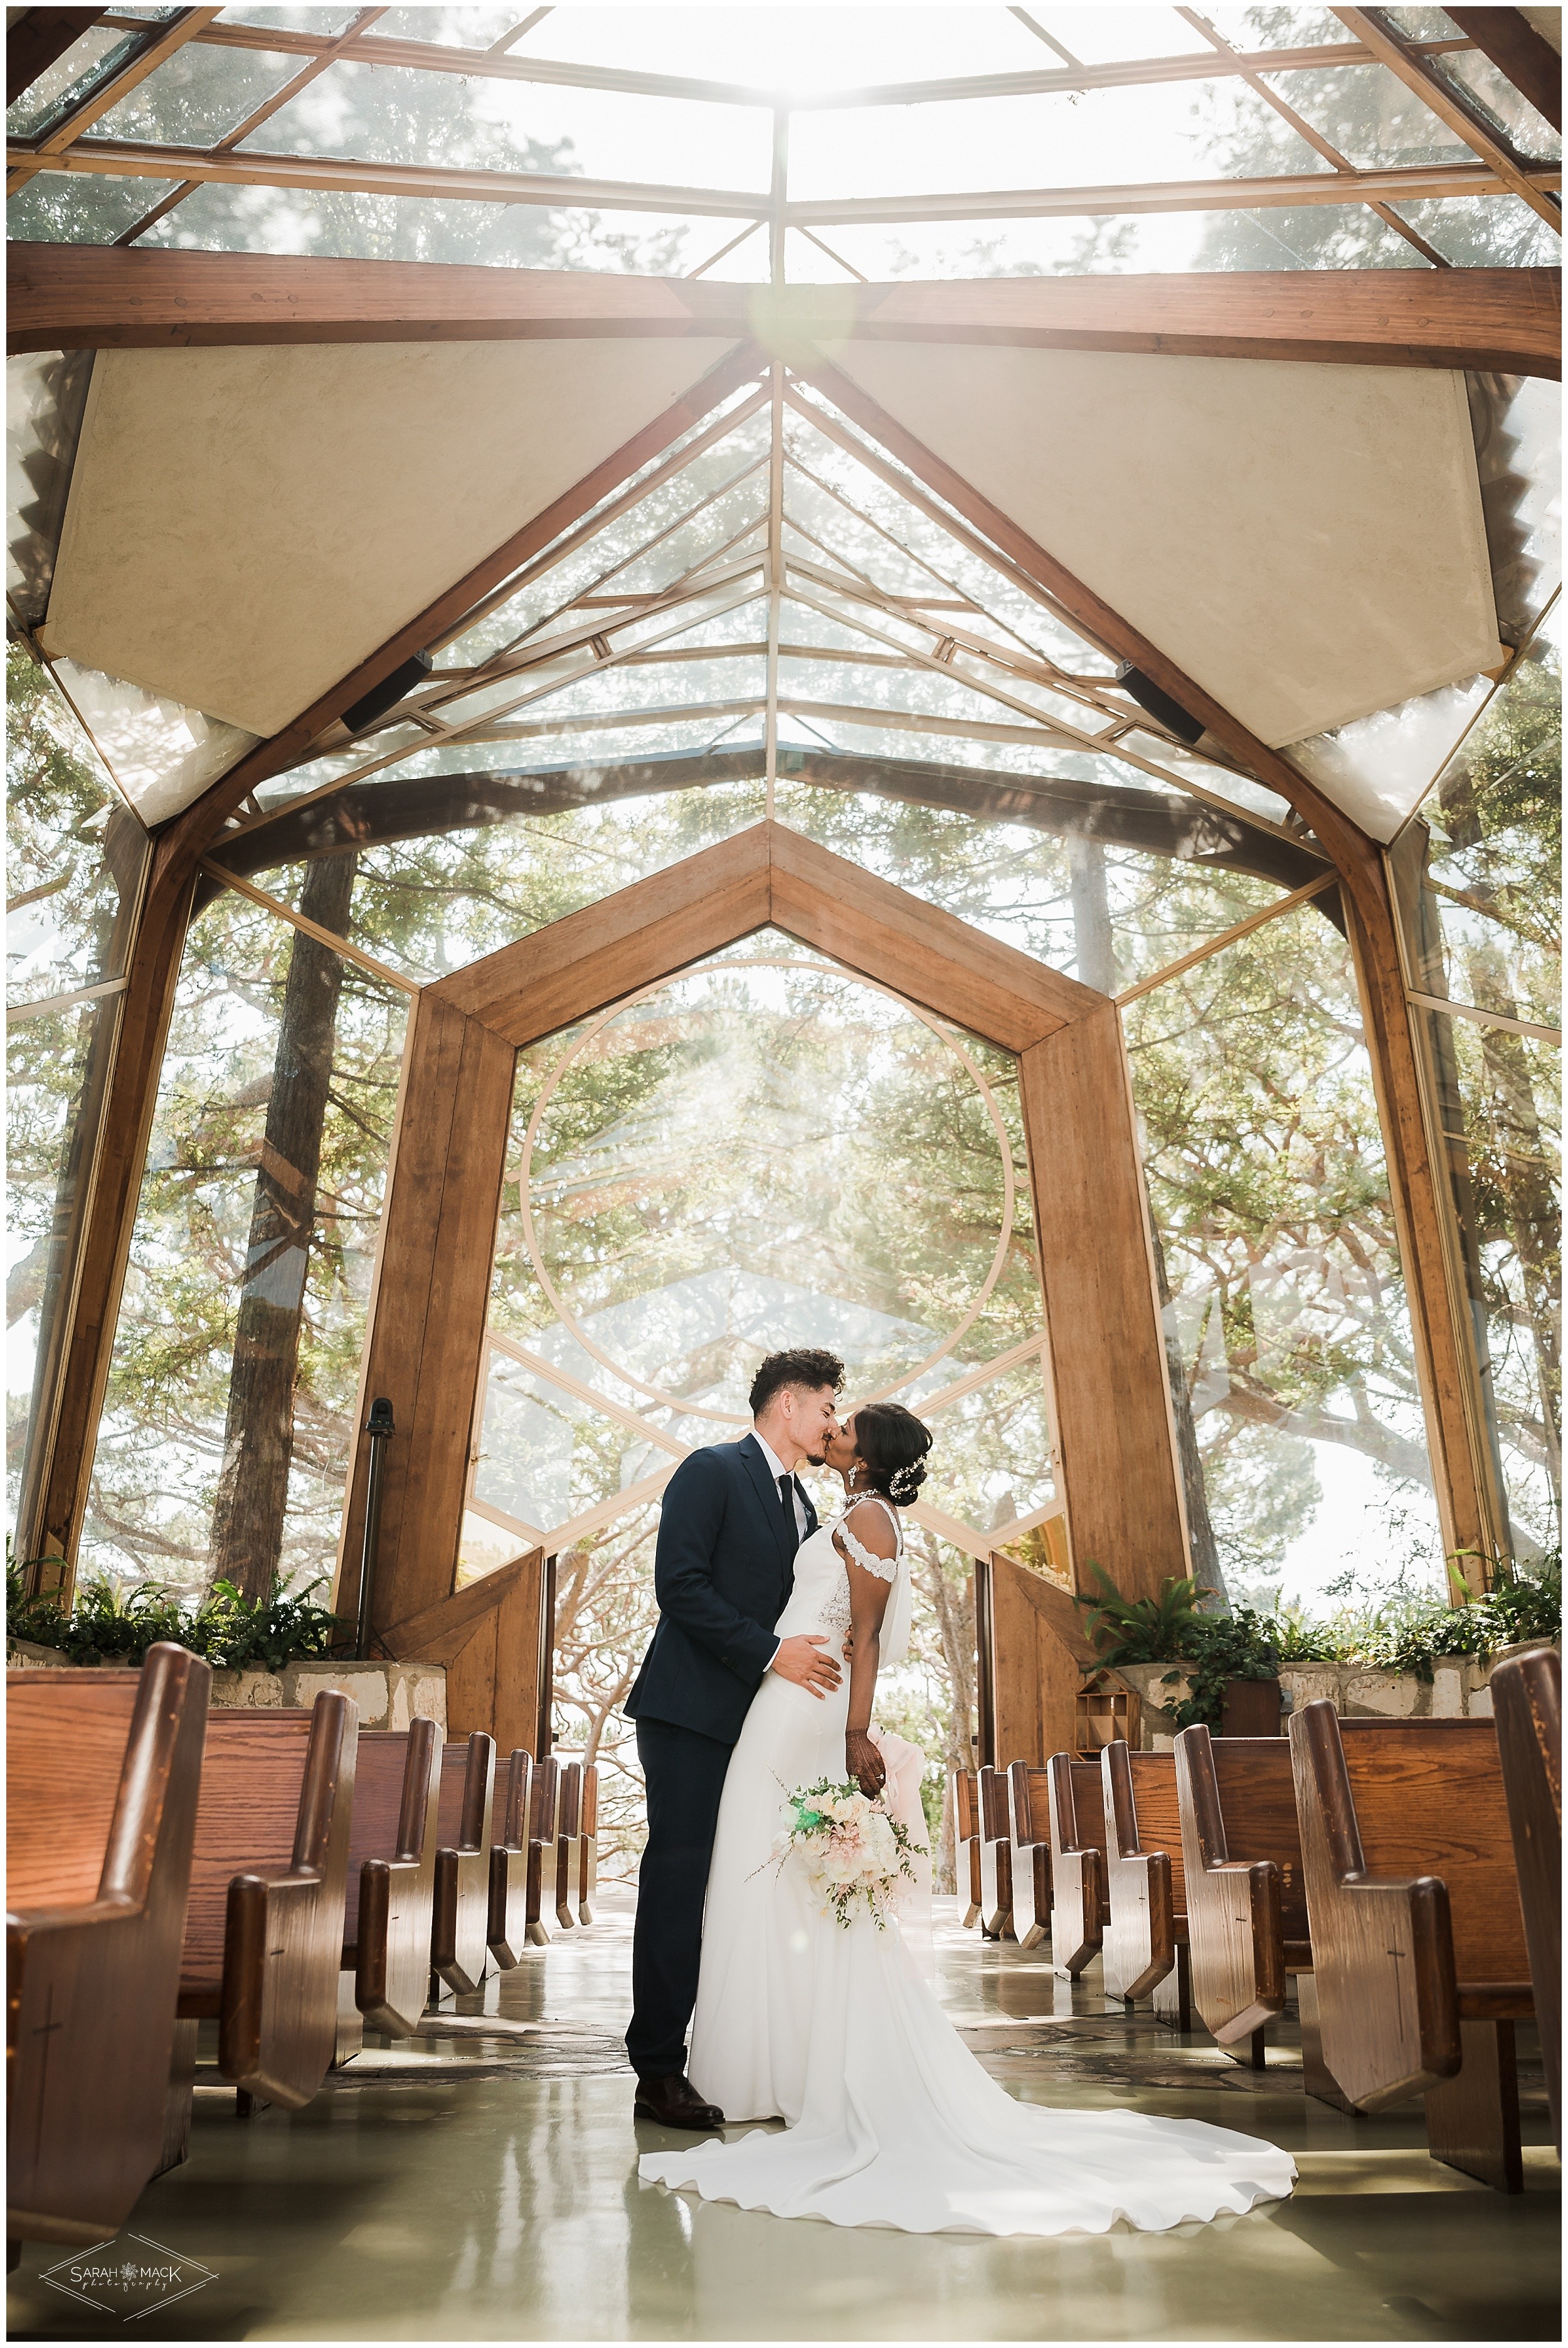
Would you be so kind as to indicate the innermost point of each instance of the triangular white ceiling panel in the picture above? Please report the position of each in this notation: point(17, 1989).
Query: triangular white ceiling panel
point(1304, 542)
point(246, 525)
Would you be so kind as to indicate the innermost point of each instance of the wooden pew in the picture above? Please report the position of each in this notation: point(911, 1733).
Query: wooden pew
point(391, 1887)
point(1146, 1943)
point(967, 1842)
point(506, 1930)
point(1418, 1940)
point(1079, 1912)
point(543, 1815)
point(460, 1914)
point(996, 1855)
point(264, 1928)
point(568, 1840)
point(1029, 1810)
point(1246, 1907)
point(1527, 1702)
point(588, 1844)
point(104, 1769)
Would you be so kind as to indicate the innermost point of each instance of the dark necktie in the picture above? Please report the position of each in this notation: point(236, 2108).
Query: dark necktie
point(787, 1501)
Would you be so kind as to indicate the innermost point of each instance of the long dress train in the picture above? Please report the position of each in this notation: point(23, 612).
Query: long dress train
point(892, 2121)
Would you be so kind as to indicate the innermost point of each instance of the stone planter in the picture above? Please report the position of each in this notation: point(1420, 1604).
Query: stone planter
point(388, 1694)
point(1458, 1689)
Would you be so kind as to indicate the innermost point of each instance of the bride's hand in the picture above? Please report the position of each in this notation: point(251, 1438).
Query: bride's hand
point(865, 1764)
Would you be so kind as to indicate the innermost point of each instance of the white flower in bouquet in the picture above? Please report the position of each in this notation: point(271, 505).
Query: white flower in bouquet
point(852, 1850)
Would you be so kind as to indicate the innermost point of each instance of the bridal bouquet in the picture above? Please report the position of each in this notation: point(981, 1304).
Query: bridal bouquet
point(853, 1850)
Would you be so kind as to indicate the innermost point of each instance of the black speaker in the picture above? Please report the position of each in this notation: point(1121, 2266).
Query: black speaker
point(1149, 696)
point(387, 693)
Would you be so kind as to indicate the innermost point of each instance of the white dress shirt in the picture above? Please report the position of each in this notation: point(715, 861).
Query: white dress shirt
point(776, 1469)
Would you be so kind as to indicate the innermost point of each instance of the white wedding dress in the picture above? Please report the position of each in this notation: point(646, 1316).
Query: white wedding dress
point(892, 2121)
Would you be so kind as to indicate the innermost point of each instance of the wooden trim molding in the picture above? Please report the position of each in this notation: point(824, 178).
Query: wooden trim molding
point(1118, 1473)
point(76, 297)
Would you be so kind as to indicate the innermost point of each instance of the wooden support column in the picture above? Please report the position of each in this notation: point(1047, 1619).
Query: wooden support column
point(427, 1343)
point(494, 1639)
point(1039, 1656)
point(153, 974)
point(1115, 1441)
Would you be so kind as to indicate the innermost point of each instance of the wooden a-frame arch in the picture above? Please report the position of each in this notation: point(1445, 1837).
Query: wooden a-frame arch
point(1117, 1462)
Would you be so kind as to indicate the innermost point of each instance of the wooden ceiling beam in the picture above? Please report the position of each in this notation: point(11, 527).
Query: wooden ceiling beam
point(318, 174)
point(494, 65)
point(1507, 38)
point(78, 297)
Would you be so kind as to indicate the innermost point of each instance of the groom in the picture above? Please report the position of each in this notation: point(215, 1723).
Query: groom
point(723, 1570)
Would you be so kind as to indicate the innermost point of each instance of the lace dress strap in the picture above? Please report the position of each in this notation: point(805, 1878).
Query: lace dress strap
point(884, 1567)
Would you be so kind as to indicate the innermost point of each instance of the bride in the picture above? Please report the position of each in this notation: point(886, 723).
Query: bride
point(836, 2030)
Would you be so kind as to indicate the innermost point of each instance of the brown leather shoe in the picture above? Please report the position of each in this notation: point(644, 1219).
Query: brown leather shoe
point(675, 2103)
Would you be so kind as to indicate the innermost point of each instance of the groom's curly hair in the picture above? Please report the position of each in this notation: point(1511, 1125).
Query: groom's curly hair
point(805, 1365)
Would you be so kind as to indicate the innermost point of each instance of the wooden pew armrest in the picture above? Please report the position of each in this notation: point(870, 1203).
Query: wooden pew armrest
point(259, 1907)
point(1496, 2001)
point(117, 1908)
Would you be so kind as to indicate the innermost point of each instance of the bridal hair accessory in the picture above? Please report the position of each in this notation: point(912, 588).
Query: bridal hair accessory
point(853, 1850)
point(905, 1482)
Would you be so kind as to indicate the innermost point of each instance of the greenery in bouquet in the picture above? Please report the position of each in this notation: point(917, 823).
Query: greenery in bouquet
point(852, 1851)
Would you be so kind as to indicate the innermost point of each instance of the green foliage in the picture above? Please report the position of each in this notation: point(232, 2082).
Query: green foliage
point(111, 1624)
point(1524, 1604)
point(1142, 1630)
point(1225, 1647)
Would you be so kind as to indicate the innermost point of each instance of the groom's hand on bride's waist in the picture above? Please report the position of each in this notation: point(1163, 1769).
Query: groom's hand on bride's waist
point(802, 1660)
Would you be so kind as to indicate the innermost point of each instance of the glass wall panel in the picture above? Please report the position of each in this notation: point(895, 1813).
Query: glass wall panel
point(1479, 870)
point(1106, 883)
point(463, 865)
point(759, 1156)
point(74, 861)
point(1298, 1405)
point(228, 1430)
point(1497, 1098)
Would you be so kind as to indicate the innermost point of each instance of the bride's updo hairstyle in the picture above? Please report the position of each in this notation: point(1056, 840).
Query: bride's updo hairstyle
point(892, 1445)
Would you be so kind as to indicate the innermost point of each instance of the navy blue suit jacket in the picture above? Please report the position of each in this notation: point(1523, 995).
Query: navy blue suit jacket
point(723, 1571)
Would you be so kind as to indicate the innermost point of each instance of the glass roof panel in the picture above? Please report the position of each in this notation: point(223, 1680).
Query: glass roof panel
point(1172, 130)
point(772, 49)
point(1486, 233)
point(94, 53)
point(1344, 235)
point(1370, 115)
point(388, 114)
point(79, 207)
point(160, 754)
point(326, 20)
point(332, 225)
point(465, 28)
point(1512, 117)
point(198, 96)
point(1104, 35)
point(1277, 28)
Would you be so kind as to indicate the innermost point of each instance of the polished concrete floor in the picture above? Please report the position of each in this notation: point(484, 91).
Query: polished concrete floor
point(475, 2188)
